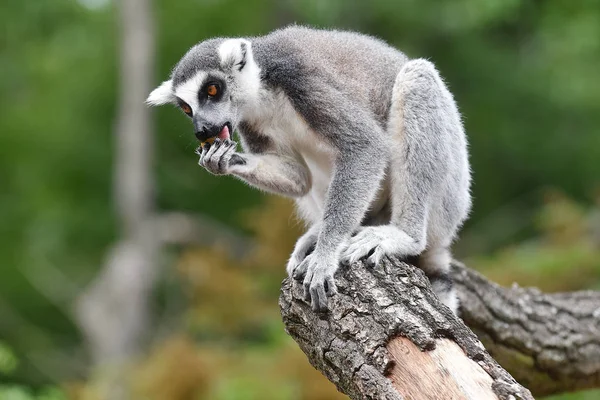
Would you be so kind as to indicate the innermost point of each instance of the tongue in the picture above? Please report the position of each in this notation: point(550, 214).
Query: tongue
point(224, 133)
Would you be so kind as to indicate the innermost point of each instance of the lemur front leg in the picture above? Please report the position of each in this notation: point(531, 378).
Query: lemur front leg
point(426, 130)
point(360, 160)
point(280, 174)
point(353, 187)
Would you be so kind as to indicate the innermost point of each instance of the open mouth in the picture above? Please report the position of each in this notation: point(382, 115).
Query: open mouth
point(224, 134)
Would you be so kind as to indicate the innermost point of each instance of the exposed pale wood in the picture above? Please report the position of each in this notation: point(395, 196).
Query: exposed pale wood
point(442, 373)
point(356, 344)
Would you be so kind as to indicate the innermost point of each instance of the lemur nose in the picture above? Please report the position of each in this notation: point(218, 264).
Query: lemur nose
point(201, 135)
point(204, 133)
point(207, 132)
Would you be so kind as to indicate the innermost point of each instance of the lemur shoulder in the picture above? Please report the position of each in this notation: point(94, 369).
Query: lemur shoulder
point(368, 142)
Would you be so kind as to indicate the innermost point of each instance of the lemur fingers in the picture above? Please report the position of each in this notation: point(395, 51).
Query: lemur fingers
point(319, 283)
point(300, 271)
point(376, 242)
point(215, 158)
point(304, 246)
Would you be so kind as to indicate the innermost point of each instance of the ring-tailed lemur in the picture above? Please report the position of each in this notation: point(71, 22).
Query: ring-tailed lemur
point(369, 143)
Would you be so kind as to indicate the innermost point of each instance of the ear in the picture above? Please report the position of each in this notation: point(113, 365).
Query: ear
point(162, 95)
point(235, 53)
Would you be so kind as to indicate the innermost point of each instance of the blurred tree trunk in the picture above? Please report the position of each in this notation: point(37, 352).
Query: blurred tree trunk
point(113, 313)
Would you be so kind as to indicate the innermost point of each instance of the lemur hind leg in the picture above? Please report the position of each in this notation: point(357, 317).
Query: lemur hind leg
point(429, 178)
point(436, 265)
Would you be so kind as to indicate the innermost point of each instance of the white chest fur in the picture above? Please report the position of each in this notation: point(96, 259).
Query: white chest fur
point(320, 165)
point(292, 135)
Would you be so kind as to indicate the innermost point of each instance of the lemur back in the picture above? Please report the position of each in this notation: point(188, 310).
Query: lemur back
point(368, 142)
point(346, 61)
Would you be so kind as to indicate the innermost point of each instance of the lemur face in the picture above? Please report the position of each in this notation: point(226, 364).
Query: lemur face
point(212, 84)
point(207, 98)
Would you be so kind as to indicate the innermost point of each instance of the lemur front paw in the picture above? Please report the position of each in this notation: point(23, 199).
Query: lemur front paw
point(218, 156)
point(304, 246)
point(318, 280)
point(375, 242)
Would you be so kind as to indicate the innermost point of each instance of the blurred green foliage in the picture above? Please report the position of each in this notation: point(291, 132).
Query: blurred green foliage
point(8, 364)
point(22, 393)
point(8, 360)
point(524, 74)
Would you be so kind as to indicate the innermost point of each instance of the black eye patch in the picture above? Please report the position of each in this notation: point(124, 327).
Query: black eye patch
point(212, 90)
point(185, 107)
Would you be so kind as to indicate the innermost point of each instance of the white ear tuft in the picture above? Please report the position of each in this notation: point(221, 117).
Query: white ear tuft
point(162, 95)
point(234, 53)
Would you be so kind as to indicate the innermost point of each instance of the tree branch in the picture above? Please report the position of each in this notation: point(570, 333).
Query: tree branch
point(387, 336)
point(548, 342)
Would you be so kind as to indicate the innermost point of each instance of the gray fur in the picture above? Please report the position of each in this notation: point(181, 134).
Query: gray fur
point(366, 141)
point(201, 57)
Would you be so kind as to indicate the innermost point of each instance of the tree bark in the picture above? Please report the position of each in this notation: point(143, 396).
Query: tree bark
point(387, 336)
point(549, 342)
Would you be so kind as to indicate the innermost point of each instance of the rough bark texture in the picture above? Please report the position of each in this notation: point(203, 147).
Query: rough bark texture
point(387, 336)
point(549, 342)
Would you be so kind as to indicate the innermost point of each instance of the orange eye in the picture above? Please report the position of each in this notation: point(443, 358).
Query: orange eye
point(186, 109)
point(212, 90)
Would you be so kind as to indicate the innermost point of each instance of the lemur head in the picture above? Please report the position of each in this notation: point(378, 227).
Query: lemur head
point(213, 83)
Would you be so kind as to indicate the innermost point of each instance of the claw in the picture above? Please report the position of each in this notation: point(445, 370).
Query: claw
point(300, 271)
point(306, 283)
point(318, 283)
point(373, 243)
point(374, 257)
point(306, 291)
point(318, 297)
point(330, 287)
